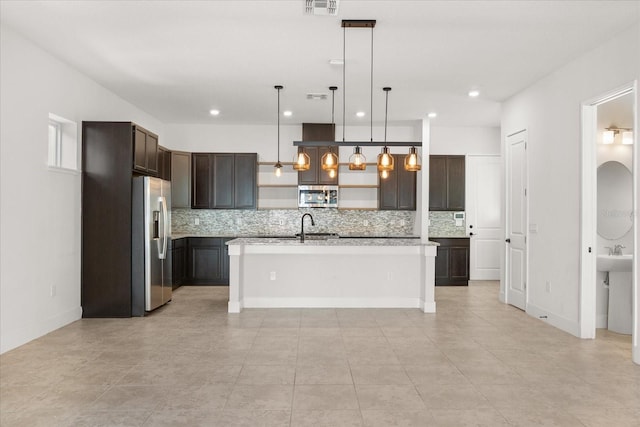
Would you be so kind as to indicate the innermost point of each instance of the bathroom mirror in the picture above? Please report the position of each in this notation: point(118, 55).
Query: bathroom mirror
point(614, 200)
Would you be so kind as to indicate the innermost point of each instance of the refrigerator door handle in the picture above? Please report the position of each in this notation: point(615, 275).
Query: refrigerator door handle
point(164, 240)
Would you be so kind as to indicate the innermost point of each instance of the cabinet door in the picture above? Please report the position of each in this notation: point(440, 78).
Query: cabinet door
point(201, 180)
point(222, 181)
point(151, 152)
point(455, 183)
point(225, 263)
point(145, 151)
point(164, 163)
point(437, 183)
point(244, 179)
point(139, 149)
point(459, 264)
point(205, 254)
point(180, 180)
point(323, 176)
point(442, 265)
point(406, 186)
point(388, 191)
point(310, 177)
point(178, 262)
point(398, 190)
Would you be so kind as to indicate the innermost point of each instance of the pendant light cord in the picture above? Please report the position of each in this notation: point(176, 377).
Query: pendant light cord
point(371, 92)
point(344, 85)
point(386, 109)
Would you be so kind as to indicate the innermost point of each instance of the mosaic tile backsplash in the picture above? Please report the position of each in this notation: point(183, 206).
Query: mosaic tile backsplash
point(443, 225)
point(221, 222)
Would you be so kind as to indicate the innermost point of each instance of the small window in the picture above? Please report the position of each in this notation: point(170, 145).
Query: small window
point(63, 143)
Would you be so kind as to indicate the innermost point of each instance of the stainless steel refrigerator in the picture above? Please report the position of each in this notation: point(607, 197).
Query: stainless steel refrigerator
point(151, 244)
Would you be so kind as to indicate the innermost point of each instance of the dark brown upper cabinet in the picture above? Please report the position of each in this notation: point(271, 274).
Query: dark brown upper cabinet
point(446, 183)
point(145, 151)
point(398, 190)
point(164, 163)
point(315, 175)
point(224, 180)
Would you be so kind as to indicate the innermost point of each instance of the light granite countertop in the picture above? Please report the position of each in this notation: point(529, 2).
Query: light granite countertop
point(291, 241)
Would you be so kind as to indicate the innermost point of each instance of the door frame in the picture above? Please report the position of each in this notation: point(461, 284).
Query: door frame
point(506, 220)
point(588, 211)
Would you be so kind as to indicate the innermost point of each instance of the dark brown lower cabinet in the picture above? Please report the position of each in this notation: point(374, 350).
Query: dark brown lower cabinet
point(179, 262)
point(208, 261)
point(452, 261)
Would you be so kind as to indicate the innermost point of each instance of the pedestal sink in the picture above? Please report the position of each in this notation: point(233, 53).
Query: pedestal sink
point(618, 269)
point(614, 262)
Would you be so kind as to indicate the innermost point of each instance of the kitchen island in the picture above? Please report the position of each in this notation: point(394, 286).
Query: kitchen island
point(344, 272)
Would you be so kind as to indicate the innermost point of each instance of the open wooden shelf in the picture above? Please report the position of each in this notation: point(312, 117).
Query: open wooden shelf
point(359, 186)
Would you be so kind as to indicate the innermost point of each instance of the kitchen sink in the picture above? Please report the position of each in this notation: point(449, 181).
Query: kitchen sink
point(614, 262)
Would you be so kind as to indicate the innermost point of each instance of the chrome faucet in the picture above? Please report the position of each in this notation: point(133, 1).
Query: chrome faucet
point(617, 249)
point(302, 226)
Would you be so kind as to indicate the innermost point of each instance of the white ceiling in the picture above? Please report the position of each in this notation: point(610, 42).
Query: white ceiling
point(179, 59)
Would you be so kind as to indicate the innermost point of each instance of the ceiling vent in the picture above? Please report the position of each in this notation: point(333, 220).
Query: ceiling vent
point(321, 7)
point(317, 96)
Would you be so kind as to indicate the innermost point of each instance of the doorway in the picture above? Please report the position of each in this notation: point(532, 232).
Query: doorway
point(608, 125)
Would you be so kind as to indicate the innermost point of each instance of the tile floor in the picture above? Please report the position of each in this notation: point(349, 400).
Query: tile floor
point(476, 362)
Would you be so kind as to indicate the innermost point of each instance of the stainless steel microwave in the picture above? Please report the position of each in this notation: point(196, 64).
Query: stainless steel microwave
point(317, 196)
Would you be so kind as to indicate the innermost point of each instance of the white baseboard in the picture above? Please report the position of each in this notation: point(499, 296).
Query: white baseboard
point(570, 326)
point(19, 336)
point(428, 307)
point(332, 303)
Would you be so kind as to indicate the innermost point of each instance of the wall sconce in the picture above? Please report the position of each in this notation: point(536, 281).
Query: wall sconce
point(609, 135)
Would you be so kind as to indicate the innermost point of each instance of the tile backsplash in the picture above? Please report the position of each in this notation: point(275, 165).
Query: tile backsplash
point(443, 225)
point(222, 222)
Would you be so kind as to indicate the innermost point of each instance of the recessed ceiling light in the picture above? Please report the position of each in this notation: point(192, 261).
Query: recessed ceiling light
point(474, 93)
point(287, 113)
point(432, 115)
point(214, 112)
point(360, 114)
point(336, 61)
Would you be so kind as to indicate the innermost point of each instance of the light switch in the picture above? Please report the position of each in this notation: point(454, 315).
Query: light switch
point(533, 228)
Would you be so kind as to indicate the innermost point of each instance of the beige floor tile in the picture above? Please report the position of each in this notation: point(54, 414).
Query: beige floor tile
point(324, 397)
point(338, 374)
point(539, 417)
point(437, 396)
point(261, 397)
point(488, 417)
point(389, 397)
point(251, 418)
point(326, 418)
point(109, 419)
point(193, 363)
point(380, 375)
point(398, 418)
point(444, 373)
point(267, 374)
point(607, 417)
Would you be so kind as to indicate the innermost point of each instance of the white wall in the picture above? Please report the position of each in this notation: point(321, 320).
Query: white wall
point(40, 208)
point(464, 140)
point(550, 111)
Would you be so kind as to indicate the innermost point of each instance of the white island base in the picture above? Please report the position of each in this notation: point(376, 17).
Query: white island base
point(354, 273)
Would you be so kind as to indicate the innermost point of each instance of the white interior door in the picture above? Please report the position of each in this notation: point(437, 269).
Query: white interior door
point(483, 216)
point(516, 221)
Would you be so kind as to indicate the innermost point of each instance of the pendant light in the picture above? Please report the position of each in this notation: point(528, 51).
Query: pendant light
point(330, 159)
point(357, 161)
point(385, 159)
point(278, 165)
point(301, 160)
point(412, 161)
